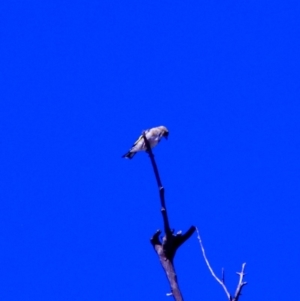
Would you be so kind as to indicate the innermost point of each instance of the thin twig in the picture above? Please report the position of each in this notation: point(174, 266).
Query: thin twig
point(223, 275)
point(240, 285)
point(210, 268)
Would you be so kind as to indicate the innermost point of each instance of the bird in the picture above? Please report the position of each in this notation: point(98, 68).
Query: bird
point(153, 135)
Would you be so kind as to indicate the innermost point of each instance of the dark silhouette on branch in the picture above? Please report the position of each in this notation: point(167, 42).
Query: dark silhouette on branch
point(167, 247)
point(241, 274)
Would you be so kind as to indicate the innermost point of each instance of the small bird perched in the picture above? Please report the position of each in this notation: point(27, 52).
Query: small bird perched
point(153, 135)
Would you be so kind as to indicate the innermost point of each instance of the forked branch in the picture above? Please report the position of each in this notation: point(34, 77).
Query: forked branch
point(167, 247)
point(241, 274)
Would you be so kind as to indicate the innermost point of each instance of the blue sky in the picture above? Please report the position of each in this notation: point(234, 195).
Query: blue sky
point(80, 80)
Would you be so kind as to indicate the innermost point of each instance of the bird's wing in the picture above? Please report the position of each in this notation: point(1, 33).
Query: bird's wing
point(138, 145)
point(137, 141)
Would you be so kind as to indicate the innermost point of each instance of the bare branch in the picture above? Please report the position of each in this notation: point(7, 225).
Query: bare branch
point(210, 268)
point(160, 187)
point(223, 275)
point(167, 248)
point(240, 285)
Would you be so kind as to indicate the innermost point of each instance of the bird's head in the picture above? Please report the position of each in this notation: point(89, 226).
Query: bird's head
point(165, 132)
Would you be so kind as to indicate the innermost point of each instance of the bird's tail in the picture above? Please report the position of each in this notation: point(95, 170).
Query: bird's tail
point(129, 155)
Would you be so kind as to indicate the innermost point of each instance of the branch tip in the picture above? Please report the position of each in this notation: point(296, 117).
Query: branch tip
point(155, 238)
point(223, 275)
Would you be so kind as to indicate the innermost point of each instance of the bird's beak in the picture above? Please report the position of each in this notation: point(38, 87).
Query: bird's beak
point(166, 134)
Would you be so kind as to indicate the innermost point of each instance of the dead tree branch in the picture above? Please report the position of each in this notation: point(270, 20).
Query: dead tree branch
point(241, 283)
point(167, 247)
